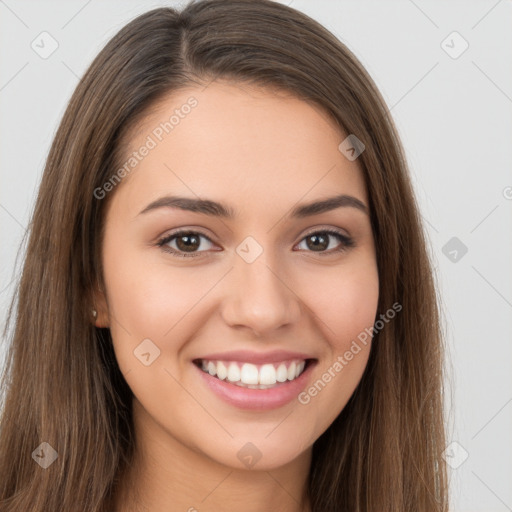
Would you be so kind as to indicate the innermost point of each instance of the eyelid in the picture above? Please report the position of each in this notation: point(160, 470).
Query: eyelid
point(165, 239)
point(346, 240)
point(329, 229)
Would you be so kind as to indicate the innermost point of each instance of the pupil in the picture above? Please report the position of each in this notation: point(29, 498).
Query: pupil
point(187, 244)
point(323, 245)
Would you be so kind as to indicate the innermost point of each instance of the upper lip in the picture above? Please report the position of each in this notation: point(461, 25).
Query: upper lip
point(248, 356)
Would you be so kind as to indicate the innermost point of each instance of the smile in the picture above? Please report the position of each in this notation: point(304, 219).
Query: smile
point(253, 376)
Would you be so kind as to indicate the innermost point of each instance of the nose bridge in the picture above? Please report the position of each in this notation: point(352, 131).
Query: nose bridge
point(259, 297)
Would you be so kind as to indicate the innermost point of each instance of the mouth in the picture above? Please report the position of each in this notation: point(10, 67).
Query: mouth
point(255, 376)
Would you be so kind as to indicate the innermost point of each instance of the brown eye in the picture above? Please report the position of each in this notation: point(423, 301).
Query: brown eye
point(188, 242)
point(320, 241)
point(185, 243)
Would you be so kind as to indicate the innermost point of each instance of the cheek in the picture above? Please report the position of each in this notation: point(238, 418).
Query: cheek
point(346, 300)
point(146, 301)
point(345, 304)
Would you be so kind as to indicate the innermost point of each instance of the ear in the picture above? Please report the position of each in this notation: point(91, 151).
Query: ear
point(99, 303)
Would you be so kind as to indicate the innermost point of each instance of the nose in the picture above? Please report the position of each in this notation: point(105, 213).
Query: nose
point(259, 298)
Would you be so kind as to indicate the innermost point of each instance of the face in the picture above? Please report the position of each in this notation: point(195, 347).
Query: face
point(238, 284)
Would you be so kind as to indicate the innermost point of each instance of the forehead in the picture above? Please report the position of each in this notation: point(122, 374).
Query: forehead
point(253, 144)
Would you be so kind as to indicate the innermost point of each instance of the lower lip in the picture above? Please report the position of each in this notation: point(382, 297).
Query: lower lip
point(257, 399)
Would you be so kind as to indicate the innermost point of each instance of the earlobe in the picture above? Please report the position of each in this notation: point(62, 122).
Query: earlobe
point(99, 310)
point(99, 318)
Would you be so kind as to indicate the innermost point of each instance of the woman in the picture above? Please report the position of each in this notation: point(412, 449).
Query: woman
point(226, 302)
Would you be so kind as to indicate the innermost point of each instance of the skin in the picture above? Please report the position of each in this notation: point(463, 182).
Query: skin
point(260, 152)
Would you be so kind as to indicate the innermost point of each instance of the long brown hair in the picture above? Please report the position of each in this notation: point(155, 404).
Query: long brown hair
point(62, 384)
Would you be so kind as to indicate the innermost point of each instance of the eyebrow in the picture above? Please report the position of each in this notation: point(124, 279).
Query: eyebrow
point(209, 207)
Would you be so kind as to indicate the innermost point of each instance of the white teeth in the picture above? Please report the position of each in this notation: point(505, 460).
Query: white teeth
point(222, 371)
point(282, 373)
point(254, 376)
point(249, 374)
point(267, 374)
point(233, 372)
point(291, 371)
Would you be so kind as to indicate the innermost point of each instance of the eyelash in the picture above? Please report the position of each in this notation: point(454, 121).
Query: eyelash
point(346, 242)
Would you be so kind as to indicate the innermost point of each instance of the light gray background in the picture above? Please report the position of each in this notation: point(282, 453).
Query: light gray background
point(454, 117)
